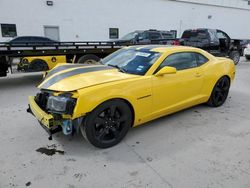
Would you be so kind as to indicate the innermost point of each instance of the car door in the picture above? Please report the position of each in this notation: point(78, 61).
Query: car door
point(172, 92)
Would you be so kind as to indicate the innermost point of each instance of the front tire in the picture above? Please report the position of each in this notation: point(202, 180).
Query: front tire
point(220, 92)
point(107, 124)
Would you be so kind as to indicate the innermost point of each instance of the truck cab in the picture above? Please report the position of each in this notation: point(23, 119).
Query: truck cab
point(215, 41)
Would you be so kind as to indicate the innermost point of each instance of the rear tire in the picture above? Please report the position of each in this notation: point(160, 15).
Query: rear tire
point(107, 124)
point(220, 92)
point(88, 59)
point(235, 56)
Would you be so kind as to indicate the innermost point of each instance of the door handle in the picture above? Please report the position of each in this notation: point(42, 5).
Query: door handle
point(198, 74)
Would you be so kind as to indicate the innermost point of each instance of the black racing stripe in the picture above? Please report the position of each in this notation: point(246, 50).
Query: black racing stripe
point(74, 72)
point(61, 68)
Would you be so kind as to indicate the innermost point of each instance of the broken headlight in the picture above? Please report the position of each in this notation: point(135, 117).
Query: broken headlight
point(60, 104)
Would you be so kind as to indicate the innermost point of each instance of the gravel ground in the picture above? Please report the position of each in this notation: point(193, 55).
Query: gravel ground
point(198, 147)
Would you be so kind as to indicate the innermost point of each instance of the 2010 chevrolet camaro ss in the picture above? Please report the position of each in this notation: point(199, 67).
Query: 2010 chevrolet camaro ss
point(130, 87)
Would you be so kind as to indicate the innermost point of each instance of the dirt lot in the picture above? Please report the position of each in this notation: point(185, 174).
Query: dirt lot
point(198, 147)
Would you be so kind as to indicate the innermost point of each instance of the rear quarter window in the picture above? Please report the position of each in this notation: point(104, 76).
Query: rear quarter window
point(201, 59)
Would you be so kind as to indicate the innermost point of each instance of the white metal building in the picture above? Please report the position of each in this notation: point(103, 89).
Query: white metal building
point(75, 20)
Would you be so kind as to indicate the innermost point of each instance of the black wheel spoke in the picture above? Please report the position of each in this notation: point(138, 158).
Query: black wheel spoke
point(225, 88)
point(115, 132)
point(217, 97)
point(101, 134)
point(222, 83)
point(112, 111)
point(100, 120)
point(218, 89)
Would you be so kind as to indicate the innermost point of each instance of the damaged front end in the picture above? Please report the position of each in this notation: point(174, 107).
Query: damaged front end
point(54, 111)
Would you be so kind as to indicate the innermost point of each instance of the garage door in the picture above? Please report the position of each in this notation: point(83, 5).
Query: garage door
point(52, 32)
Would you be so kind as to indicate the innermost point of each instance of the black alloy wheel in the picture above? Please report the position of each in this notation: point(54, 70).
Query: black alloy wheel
point(220, 92)
point(107, 125)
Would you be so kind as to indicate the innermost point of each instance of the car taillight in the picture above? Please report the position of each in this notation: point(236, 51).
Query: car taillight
point(176, 43)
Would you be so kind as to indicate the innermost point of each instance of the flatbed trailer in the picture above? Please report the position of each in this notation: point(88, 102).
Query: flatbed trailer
point(75, 52)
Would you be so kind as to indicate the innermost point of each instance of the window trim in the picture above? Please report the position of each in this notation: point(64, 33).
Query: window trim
point(195, 53)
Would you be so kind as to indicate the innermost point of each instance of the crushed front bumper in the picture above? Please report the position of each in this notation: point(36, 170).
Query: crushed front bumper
point(47, 121)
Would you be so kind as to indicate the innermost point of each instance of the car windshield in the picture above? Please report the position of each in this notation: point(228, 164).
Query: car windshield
point(130, 36)
point(132, 61)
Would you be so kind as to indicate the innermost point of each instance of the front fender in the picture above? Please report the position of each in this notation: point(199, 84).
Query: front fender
point(130, 91)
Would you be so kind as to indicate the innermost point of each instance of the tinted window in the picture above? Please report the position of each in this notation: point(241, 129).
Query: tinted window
point(213, 35)
point(40, 39)
point(154, 35)
point(21, 39)
point(131, 60)
point(181, 61)
point(202, 34)
point(143, 36)
point(129, 36)
point(201, 59)
point(113, 33)
point(8, 30)
point(168, 35)
point(221, 35)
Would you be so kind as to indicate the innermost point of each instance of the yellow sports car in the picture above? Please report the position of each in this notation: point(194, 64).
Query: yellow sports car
point(132, 86)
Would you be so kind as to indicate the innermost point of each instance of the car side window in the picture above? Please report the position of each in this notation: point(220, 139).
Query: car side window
point(21, 39)
point(154, 35)
point(167, 35)
point(221, 35)
point(143, 36)
point(181, 61)
point(201, 59)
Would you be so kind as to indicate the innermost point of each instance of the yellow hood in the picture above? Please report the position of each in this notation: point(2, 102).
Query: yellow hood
point(74, 77)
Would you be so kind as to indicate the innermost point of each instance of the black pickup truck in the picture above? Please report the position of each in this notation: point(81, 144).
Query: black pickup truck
point(214, 41)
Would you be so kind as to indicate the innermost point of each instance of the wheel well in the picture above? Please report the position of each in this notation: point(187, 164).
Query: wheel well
point(39, 60)
point(131, 108)
point(228, 78)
